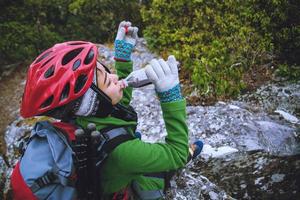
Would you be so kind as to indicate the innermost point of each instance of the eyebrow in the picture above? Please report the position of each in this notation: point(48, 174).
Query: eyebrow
point(105, 75)
point(109, 82)
point(105, 78)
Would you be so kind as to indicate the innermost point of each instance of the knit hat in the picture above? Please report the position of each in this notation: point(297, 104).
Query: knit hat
point(89, 103)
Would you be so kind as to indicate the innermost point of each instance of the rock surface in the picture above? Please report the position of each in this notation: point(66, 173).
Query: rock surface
point(251, 146)
point(3, 173)
point(276, 96)
point(242, 175)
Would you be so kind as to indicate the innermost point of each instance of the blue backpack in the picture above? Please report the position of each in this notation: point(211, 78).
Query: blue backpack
point(53, 165)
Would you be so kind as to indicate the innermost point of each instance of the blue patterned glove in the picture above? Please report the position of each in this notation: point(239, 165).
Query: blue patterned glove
point(125, 41)
point(123, 50)
point(173, 94)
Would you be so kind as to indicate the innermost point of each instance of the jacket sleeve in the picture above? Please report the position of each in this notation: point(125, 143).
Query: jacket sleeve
point(138, 157)
point(123, 70)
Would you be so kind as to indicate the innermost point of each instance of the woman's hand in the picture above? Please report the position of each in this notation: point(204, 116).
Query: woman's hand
point(125, 41)
point(164, 75)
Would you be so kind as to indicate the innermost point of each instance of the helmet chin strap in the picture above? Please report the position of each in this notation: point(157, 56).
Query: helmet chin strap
point(106, 108)
point(105, 105)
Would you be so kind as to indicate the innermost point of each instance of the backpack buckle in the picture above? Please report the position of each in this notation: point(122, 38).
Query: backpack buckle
point(48, 178)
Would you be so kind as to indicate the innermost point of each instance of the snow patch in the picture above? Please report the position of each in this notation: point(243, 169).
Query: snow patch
point(257, 181)
point(233, 107)
point(287, 116)
point(213, 195)
point(277, 177)
point(217, 152)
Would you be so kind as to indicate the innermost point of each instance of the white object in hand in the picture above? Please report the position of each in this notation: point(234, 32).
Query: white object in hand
point(137, 79)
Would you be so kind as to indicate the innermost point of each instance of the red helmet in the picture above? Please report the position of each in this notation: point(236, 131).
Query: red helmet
point(58, 76)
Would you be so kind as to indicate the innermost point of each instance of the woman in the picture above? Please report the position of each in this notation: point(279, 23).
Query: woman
point(68, 83)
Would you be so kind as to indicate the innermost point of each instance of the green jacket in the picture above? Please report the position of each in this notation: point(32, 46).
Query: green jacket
point(131, 159)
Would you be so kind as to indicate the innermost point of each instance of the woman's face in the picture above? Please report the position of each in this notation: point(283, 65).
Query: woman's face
point(109, 84)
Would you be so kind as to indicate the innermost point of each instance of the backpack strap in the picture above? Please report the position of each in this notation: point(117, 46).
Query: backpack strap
point(110, 140)
point(98, 147)
point(51, 178)
point(115, 137)
point(147, 194)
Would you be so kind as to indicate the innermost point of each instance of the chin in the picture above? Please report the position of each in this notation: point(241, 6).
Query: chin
point(120, 99)
point(117, 100)
point(121, 94)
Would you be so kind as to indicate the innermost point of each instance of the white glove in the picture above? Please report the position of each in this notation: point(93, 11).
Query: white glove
point(163, 74)
point(127, 33)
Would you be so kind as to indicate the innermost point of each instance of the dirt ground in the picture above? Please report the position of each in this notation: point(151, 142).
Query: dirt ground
point(11, 90)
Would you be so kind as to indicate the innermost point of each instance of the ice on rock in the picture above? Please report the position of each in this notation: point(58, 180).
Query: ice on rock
point(287, 116)
point(258, 181)
point(277, 177)
point(217, 152)
point(233, 107)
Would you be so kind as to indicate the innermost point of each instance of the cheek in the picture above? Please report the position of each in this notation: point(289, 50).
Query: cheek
point(114, 94)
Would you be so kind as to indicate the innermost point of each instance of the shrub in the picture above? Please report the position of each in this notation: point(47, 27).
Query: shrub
point(283, 24)
point(290, 72)
point(217, 41)
point(29, 27)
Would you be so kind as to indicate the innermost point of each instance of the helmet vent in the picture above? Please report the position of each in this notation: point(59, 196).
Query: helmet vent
point(80, 82)
point(70, 56)
point(47, 62)
point(47, 102)
point(76, 64)
point(42, 57)
point(88, 59)
point(49, 72)
point(77, 43)
point(65, 92)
